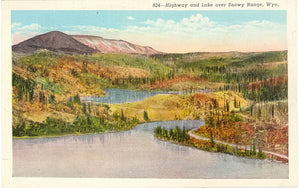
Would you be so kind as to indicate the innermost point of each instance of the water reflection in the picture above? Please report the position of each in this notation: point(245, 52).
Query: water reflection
point(188, 124)
point(132, 154)
point(175, 148)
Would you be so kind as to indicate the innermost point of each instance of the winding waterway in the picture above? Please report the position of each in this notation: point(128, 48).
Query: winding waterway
point(132, 154)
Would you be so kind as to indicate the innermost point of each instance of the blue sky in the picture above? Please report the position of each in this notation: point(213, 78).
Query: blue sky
point(169, 31)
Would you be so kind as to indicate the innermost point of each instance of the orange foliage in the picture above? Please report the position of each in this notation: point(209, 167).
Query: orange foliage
point(197, 142)
point(277, 136)
point(168, 83)
point(110, 72)
point(231, 133)
point(274, 81)
point(273, 138)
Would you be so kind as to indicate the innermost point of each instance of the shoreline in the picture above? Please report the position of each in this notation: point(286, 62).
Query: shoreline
point(269, 154)
point(192, 146)
point(65, 135)
point(79, 134)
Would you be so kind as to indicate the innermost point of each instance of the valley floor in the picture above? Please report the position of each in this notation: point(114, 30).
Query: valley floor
point(242, 97)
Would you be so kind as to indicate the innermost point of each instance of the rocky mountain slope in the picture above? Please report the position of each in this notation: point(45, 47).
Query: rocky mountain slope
point(114, 46)
point(55, 41)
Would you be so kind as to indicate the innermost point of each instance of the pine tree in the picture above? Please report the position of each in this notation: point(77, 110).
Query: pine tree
point(273, 110)
point(227, 106)
point(122, 115)
point(76, 99)
point(51, 99)
point(235, 103)
point(211, 138)
point(260, 154)
point(145, 116)
point(253, 153)
point(84, 108)
point(259, 112)
point(89, 108)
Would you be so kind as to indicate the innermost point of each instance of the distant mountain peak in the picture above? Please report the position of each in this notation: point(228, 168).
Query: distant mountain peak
point(55, 41)
point(54, 33)
point(58, 41)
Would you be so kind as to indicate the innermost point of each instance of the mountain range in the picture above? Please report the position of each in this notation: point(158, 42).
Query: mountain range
point(57, 41)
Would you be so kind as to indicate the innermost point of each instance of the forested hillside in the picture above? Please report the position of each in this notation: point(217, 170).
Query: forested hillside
point(241, 96)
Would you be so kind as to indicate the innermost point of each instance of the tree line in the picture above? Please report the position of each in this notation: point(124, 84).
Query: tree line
point(25, 87)
point(81, 124)
point(176, 134)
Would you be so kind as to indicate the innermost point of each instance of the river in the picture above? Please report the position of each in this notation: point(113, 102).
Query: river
point(132, 154)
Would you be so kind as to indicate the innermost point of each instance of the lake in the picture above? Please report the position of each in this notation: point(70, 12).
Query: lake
point(132, 154)
point(120, 96)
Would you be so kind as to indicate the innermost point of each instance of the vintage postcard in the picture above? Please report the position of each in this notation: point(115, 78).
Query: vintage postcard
point(149, 94)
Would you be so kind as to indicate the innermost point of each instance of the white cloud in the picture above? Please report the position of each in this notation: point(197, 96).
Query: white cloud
point(22, 32)
point(200, 31)
point(130, 18)
point(93, 30)
point(198, 24)
point(14, 25)
point(196, 33)
point(31, 27)
point(193, 23)
point(19, 28)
